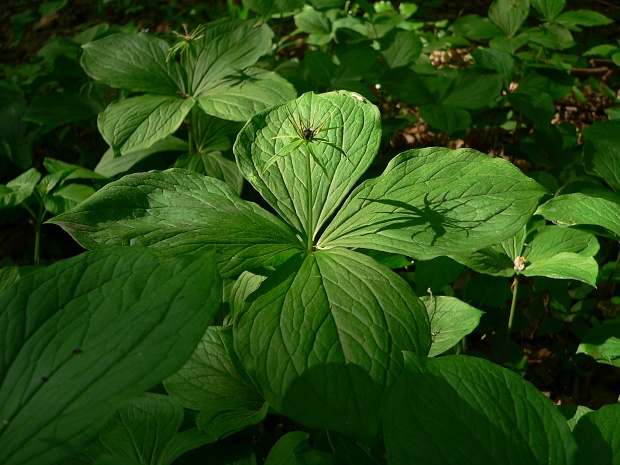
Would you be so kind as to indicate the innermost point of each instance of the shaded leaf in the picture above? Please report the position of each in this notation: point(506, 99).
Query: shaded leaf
point(434, 202)
point(70, 334)
point(322, 337)
point(488, 414)
point(178, 211)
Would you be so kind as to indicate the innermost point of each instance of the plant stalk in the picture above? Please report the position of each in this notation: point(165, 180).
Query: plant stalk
point(515, 288)
point(310, 243)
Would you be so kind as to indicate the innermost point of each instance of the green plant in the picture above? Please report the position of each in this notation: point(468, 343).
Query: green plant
point(341, 319)
point(214, 79)
point(314, 346)
point(51, 194)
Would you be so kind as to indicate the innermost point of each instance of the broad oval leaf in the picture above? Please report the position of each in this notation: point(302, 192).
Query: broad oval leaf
point(451, 320)
point(598, 437)
point(435, 201)
point(549, 9)
point(563, 254)
point(238, 97)
point(322, 338)
point(145, 431)
point(294, 449)
point(602, 342)
point(584, 210)
point(509, 15)
point(351, 127)
point(208, 382)
point(19, 189)
point(138, 122)
point(110, 166)
point(601, 152)
point(178, 211)
point(446, 118)
point(474, 88)
point(228, 46)
point(400, 48)
point(459, 409)
point(209, 376)
point(554, 252)
point(135, 62)
point(87, 333)
point(215, 165)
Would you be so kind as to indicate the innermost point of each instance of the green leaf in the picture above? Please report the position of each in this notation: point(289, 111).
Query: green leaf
point(66, 197)
point(239, 97)
point(268, 8)
point(225, 418)
point(407, 85)
point(554, 252)
point(508, 44)
point(140, 428)
point(587, 18)
point(572, 413)
point(16, 135)
point(137, 123)
point(435, 201)
point(56, 109)
point(451, 320)
point(582, 209)
point(19, 189)
point(182, 442)
point(110, 166)
point(497, 60)
point(215, 165)
point(509, 15)
point(597, 436)
point(68, 170)
point(539, 110)
point(143, 431)
point(488, 414)
point(313, 22)
point(548, 9)
point(209, 375)
point(319, 67)
point(551, 36)
point(351, 124)
point(355, 451)
point(10, 274)
point(210, 133)
point(177, 211)
point(382, 23)
point(473, 88)
point(448, 119)
point(322, 338)
point(294, 449)
point(135, 62)
point(475, 27)
point(228, 46)
point(401, 48)
point(432, 275)
point(603, 343)
point(49, 8)
point(542, 79)
point(562, 254)
point(601, 152)
point(603, 50)
point(90, 332)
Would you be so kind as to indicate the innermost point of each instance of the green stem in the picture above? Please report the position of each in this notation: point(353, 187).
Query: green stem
point(37, 242)
point(515, 288)
point(309, 189)
point(38, 220)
